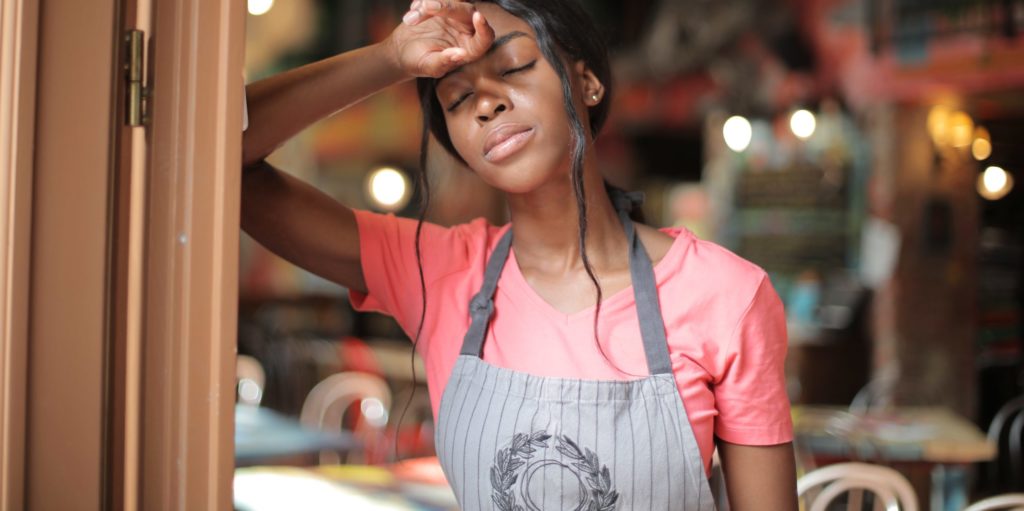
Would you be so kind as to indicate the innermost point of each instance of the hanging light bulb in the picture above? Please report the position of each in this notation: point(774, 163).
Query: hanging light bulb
point(260, 7)
point(981, 148)
point(961, 129)
point(389, 189)
point(994, 183)
point(803, 124)
point(737, 133)
point(938, 124)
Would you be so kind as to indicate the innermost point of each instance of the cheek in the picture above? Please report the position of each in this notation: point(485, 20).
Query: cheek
point(460, 140)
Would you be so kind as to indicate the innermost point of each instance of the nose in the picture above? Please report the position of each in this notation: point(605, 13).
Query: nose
point(489, 106)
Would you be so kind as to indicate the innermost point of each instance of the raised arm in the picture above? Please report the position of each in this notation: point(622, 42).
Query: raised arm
point(283, 105)
point(294, 219)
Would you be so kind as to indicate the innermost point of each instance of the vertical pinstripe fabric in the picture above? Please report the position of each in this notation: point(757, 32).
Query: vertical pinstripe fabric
point(508, 440)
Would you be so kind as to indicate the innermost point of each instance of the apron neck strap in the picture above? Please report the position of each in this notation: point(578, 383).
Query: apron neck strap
point(645, 291)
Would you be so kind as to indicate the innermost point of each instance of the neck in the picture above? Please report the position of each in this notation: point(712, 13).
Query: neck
point(545, 226)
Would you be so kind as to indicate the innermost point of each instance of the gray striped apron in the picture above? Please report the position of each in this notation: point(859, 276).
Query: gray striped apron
point(512, 441)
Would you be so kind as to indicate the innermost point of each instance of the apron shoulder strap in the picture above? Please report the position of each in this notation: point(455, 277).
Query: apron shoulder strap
point(481, 307)
point(645, 292)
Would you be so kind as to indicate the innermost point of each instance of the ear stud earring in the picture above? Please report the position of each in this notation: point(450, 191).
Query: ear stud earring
point(594, 97)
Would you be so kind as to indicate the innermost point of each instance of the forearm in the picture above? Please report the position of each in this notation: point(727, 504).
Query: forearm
point(759, 478)
point(282, 105)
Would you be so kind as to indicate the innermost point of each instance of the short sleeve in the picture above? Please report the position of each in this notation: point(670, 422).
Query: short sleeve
point(750, 392)
point(391, 268)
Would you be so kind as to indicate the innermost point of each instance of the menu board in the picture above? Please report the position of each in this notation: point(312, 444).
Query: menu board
point(794, 219)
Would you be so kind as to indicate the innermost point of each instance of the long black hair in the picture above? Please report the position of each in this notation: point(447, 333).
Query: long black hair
point(565, 34)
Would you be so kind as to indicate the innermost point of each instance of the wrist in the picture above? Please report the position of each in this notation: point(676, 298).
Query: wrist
point(387, 52)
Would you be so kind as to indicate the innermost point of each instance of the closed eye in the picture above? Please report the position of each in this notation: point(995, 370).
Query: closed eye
point(520, 68)
point(462, 98)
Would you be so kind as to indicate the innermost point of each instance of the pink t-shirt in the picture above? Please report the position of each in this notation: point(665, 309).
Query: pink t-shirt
point(724, 322)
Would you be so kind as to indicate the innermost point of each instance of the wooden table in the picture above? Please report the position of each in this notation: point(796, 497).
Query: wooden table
point(413, 485)
point(264, 436)
point(933, 436)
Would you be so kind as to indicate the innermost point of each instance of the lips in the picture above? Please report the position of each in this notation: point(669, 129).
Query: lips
point(505, 140)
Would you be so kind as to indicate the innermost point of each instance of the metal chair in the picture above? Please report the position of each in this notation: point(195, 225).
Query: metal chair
point(1008, 424)
point(1007, 502)
point(877, 394)
point(892, 491)
point(325, 407)
point(249, 380)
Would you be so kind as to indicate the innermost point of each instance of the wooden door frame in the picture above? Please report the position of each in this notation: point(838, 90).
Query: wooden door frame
point(18, 32)
point(191, 296)
point(69, 307)
point(72, 390)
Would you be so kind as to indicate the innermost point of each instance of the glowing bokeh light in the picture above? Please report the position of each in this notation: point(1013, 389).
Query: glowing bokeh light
point(981, 148)
point(389, 188)
point(737, 132)
point(802, 123)
point(961, 129)
point(260, 7)
point(994, 183)
point(938, 124)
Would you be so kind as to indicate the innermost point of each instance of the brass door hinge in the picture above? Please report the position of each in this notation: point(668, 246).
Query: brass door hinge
point(137, 96)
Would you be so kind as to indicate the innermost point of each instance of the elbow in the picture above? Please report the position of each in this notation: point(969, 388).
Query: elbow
point(248, 166)
point(253, 156)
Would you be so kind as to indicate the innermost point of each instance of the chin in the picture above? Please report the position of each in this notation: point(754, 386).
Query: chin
point(523, 177)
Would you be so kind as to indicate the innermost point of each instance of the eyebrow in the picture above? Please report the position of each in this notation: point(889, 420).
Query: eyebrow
point(498, 43)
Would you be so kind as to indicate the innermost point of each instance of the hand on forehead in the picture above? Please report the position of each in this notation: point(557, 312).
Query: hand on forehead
point(461, 13)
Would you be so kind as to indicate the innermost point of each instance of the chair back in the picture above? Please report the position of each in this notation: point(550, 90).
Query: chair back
point(890, 488)
point(1006, 502)
point(877, 394)
point(325, 406)
point(1006, 432)
point(249, 380)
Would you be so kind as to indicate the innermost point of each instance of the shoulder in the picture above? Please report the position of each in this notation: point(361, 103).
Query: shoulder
point(712, 263)
point(475, 231)
point(442, 249)
point(701, 275)
point(657, 242)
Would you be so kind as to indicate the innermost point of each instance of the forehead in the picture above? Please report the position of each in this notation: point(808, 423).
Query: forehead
point(501, 20)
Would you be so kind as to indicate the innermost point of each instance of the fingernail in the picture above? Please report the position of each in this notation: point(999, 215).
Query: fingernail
point(411, 16)
point(433, 5)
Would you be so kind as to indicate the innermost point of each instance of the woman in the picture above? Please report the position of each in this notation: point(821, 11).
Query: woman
point(561, 348)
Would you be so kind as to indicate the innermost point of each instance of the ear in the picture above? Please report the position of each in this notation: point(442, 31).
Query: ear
point(589, 85)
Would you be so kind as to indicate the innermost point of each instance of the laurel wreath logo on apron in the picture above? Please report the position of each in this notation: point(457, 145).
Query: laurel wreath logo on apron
point(596, 492)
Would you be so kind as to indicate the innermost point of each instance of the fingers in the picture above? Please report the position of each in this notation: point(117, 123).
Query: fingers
point(455, 10)
point(438, 64)
point(454, 55)
point(480, 39)
point(483, 34)
point(415, 14)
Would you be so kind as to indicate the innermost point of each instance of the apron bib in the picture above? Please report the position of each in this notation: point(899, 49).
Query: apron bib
point(511, 441)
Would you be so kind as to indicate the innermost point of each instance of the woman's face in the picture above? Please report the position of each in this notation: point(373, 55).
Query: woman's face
point(505, 113)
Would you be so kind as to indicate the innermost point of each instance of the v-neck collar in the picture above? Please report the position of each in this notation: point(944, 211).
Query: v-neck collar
point(518, 287)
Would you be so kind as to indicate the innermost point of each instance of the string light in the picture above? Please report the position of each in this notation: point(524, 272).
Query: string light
point(981, 148)
point(961, 129)
point(260, 7)
point(803, 124)
point(938, 124)
point(737, 133)
point(389, 189)
point(994, 183)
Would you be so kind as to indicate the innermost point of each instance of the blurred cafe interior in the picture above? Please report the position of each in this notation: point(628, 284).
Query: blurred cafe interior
point(867, 154)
